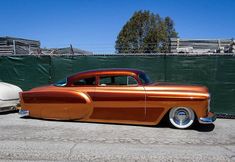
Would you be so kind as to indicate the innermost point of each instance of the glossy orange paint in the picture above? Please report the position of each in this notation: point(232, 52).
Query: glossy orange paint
point(143, 104)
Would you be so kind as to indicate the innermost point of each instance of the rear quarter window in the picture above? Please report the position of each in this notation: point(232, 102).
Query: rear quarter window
point(122, 80)
point(85, 81)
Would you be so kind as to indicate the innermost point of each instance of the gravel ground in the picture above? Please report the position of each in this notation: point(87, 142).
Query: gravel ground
point(42, 140)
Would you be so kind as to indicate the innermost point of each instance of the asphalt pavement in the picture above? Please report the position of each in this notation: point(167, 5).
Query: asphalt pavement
point(42, 140)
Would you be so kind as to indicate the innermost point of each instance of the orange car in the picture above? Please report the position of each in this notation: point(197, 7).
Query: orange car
point(118, 96)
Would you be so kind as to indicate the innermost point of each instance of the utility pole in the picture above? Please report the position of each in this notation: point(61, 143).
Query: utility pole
point(29, 49)
point(71, 49)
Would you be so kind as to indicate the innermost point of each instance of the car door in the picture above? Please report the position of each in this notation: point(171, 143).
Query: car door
point(119, 98)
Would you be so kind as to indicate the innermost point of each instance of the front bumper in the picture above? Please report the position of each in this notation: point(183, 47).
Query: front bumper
point(8, 105)
point(9, 108)
point(209, 119)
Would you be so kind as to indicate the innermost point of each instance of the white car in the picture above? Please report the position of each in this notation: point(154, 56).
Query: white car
point(9, 96)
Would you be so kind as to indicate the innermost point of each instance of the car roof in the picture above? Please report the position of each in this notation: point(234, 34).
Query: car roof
point(106, 71)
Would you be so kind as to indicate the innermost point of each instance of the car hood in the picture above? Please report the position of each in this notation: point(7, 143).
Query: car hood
point(9, 91)
point(180, 88)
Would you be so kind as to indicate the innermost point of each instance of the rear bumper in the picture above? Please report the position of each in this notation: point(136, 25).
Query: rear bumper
point(209, 119)
point(23, 113)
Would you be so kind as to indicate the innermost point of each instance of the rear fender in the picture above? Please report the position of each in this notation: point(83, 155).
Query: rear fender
point(60, 105)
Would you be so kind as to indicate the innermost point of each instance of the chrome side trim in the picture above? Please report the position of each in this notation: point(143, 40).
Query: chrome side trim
point(208, 120)
point(23, 113)
point(13, 99)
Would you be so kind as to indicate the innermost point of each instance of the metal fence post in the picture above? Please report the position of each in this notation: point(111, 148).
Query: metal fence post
point(14, 46)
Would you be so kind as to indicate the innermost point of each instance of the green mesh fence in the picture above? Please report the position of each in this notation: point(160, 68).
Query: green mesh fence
point(217, 72)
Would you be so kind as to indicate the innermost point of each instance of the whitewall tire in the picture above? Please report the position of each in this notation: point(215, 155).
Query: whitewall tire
point(181, 117)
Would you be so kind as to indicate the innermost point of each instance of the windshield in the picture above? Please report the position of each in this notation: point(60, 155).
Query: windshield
point(144, 78)
point(61, 83)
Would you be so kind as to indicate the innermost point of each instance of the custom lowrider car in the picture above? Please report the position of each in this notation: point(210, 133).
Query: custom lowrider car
point(118, 96)
point(9, 96)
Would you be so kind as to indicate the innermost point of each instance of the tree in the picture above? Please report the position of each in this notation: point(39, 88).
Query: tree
point(145, 32)
point(170, 31)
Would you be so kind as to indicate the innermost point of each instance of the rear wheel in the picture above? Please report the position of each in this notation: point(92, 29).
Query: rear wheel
point(181, 117)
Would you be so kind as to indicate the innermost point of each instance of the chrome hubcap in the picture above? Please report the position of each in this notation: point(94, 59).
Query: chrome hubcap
point(181, 117)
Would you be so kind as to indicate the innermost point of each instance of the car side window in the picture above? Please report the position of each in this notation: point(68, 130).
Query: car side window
point(131, 81)
point(118, 80)
point(85, 81)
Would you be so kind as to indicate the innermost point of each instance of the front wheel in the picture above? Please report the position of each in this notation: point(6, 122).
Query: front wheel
point(181, 117)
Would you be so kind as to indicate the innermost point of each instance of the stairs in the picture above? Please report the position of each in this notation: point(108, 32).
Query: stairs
point(5, 49)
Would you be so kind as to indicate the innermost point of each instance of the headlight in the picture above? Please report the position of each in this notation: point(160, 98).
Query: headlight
point(209, 103)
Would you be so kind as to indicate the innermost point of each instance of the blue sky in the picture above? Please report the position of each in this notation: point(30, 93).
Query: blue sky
point(94, 24)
